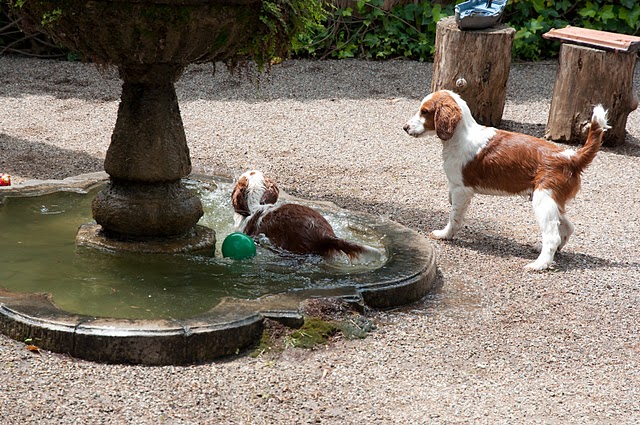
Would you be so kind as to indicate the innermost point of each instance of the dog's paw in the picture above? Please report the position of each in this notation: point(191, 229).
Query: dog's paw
point(538, 266)
point(441, 234)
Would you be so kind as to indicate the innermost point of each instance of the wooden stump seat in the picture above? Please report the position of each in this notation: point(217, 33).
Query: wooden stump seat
point(475, 64)
point(594, 67)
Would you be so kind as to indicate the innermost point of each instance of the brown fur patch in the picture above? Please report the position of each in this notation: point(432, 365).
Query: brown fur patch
point(442, 114)
point(239, 197)
point(509, 162)
point(270, 195)
point(296, 228)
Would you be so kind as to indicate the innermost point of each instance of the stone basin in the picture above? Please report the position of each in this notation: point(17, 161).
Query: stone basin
point(232, 323)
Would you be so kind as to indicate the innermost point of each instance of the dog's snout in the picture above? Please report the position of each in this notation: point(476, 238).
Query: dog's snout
point(406, 127)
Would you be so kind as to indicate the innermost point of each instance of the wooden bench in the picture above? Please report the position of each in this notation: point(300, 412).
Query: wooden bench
point(594, 67)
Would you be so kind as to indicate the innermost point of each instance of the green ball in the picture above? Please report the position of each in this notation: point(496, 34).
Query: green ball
point(238, 246)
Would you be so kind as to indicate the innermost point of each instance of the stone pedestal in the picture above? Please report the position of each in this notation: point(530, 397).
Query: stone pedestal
point(200, 240)
point(147, 158)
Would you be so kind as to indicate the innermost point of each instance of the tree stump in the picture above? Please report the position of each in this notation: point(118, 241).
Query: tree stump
point(588, 75)
point(475, 64)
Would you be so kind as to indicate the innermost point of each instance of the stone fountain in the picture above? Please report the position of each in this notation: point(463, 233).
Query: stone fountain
point(143, 204)
point(151, 42)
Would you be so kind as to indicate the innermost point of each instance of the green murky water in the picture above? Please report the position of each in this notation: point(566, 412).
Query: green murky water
point(38, 254)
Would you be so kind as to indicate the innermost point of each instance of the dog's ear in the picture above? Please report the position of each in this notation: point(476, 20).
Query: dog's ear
point(239, 197)
point(446, 117)
point(271, 192)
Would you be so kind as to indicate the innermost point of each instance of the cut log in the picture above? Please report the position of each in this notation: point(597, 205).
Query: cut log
point(475, 64)
point(587, 77)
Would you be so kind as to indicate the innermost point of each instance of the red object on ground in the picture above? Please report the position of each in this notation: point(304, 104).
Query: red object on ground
point(5, 179)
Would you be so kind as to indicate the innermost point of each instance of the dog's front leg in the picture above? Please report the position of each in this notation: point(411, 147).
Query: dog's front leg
point(460, 198)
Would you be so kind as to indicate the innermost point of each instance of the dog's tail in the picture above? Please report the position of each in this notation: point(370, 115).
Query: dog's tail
point(333, 247)
point(585, 155)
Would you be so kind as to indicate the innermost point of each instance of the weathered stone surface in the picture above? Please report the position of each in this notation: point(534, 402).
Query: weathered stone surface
point(138, 210)
point(150, 43)
point(148, 143)
point(200, 240)
point(231, 325)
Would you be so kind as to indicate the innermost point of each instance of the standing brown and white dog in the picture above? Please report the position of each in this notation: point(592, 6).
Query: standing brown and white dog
point(291, 227)
point(485, 160)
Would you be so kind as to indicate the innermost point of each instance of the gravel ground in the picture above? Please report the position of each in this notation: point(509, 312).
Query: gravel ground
point(492, 344)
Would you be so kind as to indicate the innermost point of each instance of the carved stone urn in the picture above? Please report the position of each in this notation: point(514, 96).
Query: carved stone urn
point(151, 42)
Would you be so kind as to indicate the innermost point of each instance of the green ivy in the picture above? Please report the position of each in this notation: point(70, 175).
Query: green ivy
point(532, 18)
point(282, 22)
point(368, 31)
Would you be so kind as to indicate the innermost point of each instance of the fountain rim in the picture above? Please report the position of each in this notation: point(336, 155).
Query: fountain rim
point(228, 327)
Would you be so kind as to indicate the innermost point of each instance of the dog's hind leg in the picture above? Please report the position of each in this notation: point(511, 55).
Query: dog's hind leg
point(549, 219)
point(566, 230)
point(460, 198)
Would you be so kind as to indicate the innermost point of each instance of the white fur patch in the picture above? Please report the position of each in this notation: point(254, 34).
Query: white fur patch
point(548, 216)
point(467, 141)
point(600, 116)
point(568, 153)
point(416, 126)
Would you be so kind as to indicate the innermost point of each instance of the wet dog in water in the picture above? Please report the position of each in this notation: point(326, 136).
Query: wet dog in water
point(292, 227)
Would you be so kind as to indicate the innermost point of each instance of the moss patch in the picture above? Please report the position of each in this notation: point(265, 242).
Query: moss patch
point(326, 319)
point(314, 332)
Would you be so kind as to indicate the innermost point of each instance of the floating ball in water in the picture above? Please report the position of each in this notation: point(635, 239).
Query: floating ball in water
point(238, 246)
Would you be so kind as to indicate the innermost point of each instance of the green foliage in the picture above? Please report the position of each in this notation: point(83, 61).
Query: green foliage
point(14, 40)
point(371, 32)
point(282, 23)
point(50, 17)
point(368, 31)
point(532, 18)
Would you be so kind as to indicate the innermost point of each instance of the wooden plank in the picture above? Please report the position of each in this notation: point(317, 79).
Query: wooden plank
point(593, 38)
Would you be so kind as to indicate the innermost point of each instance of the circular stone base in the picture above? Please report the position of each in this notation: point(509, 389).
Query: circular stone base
point(227, 327)
point(200, 240)
point(146, 210)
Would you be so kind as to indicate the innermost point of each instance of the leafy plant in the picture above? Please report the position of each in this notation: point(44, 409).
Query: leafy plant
point(532, 18)
point(14, 40)
point(283, 21)
point(369, 31)
point(50, 17)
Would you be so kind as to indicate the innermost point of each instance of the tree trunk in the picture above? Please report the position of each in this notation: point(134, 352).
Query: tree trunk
point(587, 77)
point(475, 64)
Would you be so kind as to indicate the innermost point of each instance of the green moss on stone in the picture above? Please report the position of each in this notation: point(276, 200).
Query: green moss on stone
point(314, 332)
